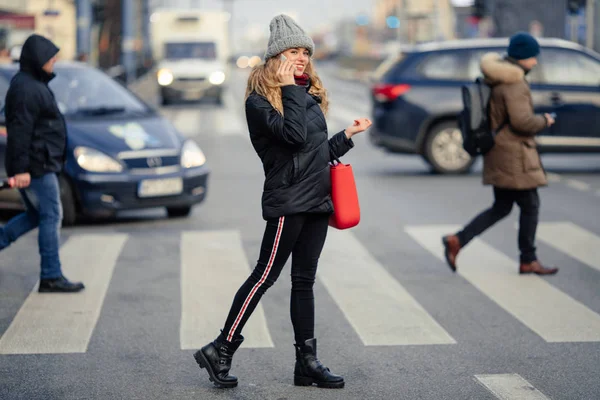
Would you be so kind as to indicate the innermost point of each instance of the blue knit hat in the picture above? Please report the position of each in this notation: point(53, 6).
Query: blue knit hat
point(522, 46)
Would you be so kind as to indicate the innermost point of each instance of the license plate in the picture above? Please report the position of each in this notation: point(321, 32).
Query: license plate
point(160, 187)
point(192, 94)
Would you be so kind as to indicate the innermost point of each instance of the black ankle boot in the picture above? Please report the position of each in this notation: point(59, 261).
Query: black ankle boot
point(309, 369)
point(216, 358)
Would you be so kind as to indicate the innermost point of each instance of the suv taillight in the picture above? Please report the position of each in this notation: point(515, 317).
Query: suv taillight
point(389, 92)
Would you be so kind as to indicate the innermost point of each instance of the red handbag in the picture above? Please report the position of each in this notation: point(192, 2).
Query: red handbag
point(346, 210)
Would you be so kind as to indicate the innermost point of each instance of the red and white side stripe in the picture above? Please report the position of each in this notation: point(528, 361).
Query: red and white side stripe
point(262, 280)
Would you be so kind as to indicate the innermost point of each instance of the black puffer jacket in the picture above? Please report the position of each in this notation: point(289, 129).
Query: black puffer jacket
point(36, 129)
point(295, 152)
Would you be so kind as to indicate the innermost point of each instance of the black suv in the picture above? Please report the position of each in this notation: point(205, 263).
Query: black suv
point(416, 97)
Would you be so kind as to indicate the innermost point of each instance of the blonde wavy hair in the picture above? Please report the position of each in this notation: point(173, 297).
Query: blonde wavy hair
point(263, 80)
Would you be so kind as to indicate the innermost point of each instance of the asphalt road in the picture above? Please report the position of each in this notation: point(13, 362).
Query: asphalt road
point(391, 317)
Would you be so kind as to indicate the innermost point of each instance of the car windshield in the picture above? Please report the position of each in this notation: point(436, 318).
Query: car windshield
point(89, 92)
point(187, 50)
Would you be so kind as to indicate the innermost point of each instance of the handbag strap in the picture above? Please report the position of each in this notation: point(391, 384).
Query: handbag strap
point(332, 155)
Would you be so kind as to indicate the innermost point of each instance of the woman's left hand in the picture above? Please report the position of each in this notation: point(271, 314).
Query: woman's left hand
point(359, 125)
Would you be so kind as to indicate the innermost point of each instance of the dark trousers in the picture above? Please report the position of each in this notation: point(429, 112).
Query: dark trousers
point(303, 236)
point(528, 201)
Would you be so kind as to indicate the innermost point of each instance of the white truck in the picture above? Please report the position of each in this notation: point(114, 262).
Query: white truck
point(192, 50)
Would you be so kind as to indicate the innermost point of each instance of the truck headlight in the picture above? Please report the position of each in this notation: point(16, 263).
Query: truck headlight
point(217, 77)
point(191, 155)
point(96, 161)
point(165, 77)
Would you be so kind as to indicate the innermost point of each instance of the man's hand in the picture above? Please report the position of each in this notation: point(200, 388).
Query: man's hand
point(549, 120)
point(358, 126)
point(20, 181)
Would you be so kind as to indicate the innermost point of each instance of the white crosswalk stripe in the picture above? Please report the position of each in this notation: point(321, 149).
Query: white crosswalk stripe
point(63, 323)
point(569, 238)
point(206, 258)
point(547, 311)
point(510, 387)
point(379, 309)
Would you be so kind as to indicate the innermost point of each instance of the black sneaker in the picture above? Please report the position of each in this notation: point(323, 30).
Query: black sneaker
point(59, 285)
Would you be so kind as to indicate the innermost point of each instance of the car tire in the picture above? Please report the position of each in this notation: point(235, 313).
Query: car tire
point(177, 212)
point(444, 152)
point(67, 200)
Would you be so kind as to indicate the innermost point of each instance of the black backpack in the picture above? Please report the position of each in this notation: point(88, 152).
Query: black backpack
point(474, 120)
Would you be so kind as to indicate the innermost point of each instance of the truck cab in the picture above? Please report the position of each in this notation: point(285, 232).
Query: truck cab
point(192, 49)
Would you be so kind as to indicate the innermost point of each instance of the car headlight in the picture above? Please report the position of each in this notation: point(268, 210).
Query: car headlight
point(191, 155)
point(165, 77)
point(217, 77)
point(96, 161)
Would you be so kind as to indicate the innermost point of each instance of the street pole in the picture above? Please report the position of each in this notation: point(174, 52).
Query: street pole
point(128, 39)
point(84, 27)
point(229, 8)
point(398, 14)
point(437, 20)
point(147, 49)
point(590, 23)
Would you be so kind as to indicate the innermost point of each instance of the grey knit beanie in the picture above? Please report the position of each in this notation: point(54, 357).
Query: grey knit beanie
point(287, 34)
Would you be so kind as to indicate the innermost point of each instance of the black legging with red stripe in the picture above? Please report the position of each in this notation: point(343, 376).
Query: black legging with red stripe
point(302, 235)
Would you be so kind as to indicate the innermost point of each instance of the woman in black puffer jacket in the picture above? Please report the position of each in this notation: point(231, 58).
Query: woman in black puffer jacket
point(285, 110)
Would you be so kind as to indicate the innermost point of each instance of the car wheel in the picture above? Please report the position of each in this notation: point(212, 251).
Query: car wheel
point(174, 212)
point(67, 200)
point(444, 149)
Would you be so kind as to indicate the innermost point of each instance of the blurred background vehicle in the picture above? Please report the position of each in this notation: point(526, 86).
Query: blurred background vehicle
point(121, 154)
point(191, 49)
point(416, 97)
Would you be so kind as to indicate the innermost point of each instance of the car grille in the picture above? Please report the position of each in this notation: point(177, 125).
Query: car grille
point(152, 161)
point(182, 79)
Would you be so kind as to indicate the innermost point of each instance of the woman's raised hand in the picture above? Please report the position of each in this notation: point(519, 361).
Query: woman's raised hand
point(285, 73)
point(359, 125)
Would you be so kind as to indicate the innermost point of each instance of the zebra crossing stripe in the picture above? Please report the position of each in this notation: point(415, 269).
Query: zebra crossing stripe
point(578, 243)
point(53, 323)
point(510, 387)
point(547, 311)
point(380, 310)
point(213, 265)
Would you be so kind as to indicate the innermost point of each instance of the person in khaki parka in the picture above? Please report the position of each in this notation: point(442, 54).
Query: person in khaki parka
point(513, 166)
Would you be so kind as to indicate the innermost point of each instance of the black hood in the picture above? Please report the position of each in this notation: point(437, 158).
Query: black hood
point(36, 52)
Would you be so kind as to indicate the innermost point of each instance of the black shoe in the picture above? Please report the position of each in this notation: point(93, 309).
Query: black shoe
point(59, 285)
point(216, 358)
point(309, 369)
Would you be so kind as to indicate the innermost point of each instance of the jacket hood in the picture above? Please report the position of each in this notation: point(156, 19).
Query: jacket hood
point(37, 51)
point(498, 70)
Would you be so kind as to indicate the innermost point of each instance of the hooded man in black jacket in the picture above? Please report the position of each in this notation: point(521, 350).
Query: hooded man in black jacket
point(35, 154)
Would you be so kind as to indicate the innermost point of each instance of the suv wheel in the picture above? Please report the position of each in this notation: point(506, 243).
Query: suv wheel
point(444, 149)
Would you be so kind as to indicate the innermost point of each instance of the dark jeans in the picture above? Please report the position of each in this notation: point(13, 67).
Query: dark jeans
point(303, 236)
point(43, 209)
point(528, 201)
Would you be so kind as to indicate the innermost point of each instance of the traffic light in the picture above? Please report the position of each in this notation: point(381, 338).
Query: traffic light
point(573, 6)
point(479, 8)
